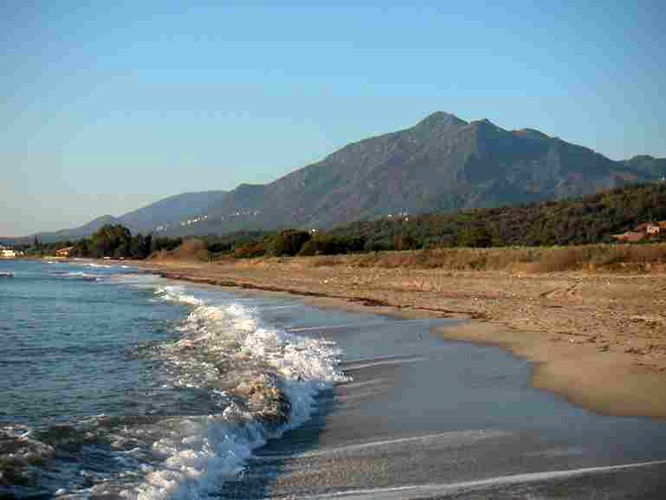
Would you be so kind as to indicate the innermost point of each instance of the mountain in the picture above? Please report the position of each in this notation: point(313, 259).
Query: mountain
point(73, 233)
point(174, 212)
point(442, 163)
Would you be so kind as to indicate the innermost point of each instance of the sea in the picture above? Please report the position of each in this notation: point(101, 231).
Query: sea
point(116, 383)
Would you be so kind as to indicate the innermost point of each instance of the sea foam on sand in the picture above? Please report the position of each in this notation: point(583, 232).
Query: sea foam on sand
point(265, 379)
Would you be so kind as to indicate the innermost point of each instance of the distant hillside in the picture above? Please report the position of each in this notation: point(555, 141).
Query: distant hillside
point(648, 165)
point(590, 219)
point(169, 213)
point(74, 233)
point(443, 163)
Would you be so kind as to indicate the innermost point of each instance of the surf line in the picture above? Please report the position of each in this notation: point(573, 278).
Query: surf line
point(531, 477)
point(454, 438)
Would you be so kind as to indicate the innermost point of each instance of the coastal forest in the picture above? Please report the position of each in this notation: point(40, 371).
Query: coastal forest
point(589, 219)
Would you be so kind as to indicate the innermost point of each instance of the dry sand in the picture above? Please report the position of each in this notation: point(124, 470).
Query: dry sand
point(597, 339)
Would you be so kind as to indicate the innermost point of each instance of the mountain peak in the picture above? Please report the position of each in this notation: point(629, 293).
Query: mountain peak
point(442, 163)
point(440, 118)
point(483, 123)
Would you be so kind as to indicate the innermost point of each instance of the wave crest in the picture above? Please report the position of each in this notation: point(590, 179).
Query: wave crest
point(264, 381)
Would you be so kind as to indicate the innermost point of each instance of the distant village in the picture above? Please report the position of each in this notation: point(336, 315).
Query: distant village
point(9, 252)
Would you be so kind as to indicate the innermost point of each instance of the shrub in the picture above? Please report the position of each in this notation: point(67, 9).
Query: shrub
point(250, 250)
point(288, 242)
point(192, 249)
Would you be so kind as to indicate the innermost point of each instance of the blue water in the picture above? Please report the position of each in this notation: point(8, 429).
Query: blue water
point(70, 343)
point(114, 382)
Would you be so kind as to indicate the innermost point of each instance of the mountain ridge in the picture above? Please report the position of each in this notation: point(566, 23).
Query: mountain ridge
point(442, 163)
point(166, 212)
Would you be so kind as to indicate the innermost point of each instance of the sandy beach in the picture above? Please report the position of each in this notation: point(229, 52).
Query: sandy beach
point(597, 339)
point(422, 417)
point(357, 398)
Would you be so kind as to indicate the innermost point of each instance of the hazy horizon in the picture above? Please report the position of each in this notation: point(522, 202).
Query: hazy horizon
point(107, 108)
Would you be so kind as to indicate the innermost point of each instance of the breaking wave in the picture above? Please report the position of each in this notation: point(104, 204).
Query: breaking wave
point(260, 382)
point(82, 275)
point(228, 385)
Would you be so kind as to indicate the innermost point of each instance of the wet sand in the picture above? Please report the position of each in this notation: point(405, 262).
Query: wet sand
point(599, 340)
point(424, 417)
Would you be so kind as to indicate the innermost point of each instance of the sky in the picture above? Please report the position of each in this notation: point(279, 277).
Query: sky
point(108, 106)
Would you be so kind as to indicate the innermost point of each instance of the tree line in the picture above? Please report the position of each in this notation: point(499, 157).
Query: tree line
point(587, 220)
point(111, 240)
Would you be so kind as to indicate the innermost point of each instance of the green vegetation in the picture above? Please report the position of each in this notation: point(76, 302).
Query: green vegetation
point(589, 220)
point(288, 242)
point(111, 240)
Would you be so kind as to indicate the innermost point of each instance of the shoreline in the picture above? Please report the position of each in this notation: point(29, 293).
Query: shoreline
point(615, 371)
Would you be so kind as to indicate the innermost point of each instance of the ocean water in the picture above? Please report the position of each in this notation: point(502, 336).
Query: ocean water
point(115, 383)
point(119, 384)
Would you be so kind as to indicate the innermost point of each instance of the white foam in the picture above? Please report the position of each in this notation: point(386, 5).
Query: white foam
point(137, 280)
point(433, 489)
point(175, 293)
point(454, 438)
point(201, 454)
point(358, 365)
point(82, 275)
point(224, 346)
point(296, 358)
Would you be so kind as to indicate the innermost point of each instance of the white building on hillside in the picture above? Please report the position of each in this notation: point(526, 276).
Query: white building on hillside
point(7, 253)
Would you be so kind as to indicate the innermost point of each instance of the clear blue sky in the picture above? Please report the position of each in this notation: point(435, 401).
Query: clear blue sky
point(106, 106)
